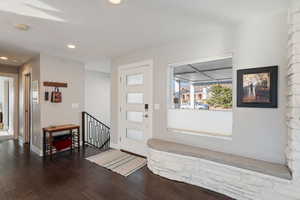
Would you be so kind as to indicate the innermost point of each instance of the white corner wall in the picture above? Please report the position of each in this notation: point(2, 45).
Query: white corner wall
point(244, 184)
point(61, 70)
point(257, 133)
point(97, 95)
point(33, 67)
point(103, 65)
point(263, 42)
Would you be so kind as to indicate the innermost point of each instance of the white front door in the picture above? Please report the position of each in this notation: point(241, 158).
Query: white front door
point(136, 107)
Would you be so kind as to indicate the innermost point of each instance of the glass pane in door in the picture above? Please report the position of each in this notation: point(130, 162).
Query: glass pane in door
point(135, 98)
point(135, 116)
point(137, 79)
point(135, 134)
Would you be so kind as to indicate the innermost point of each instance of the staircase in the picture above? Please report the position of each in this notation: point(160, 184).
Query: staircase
point(94, 132)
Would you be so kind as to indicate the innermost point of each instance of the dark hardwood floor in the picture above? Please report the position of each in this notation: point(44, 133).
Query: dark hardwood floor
point(26, 176)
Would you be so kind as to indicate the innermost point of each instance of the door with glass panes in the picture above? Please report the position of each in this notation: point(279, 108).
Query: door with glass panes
point(136, 107)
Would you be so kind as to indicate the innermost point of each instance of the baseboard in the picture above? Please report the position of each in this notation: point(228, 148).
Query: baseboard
point(33, 148)
point(36, 150)
point(114, 146)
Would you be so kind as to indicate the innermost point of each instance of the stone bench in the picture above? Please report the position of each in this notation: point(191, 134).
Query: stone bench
point(235, 176)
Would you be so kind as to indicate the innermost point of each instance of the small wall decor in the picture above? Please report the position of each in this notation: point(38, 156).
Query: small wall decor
point(56, 95)
point(46, 96)
point(257, 87)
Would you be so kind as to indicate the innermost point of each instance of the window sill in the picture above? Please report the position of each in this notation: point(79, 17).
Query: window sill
point(201, 133)
point(201, 110)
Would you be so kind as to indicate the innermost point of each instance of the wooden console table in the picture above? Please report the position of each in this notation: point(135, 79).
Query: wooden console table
point(48, 139)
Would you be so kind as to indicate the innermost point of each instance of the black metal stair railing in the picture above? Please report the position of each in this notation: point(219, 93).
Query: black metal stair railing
point(94, 132)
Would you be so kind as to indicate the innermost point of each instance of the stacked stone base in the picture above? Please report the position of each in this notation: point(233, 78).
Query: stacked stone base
point(293, 91)
point(234, 182)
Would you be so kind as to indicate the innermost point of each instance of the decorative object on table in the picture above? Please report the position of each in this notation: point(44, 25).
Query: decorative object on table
point(118, 161)
point(257, 87)
point(61, 142)
point(56, 96)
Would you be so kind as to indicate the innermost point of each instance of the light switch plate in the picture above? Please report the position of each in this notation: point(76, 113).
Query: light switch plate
point(75, 105)
point(156, 106)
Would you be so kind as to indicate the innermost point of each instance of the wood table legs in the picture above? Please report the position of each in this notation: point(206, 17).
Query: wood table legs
point(48, 141)
point(51, 145)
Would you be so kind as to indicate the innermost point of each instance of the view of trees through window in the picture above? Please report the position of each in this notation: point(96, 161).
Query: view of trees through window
point(203, 86)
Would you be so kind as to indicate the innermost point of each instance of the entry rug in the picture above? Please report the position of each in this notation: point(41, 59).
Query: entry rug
point(118, 161)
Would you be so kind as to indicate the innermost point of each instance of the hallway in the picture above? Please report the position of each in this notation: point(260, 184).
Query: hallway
point(26, 176)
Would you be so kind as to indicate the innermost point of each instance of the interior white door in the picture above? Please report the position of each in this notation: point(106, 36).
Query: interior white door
point(136, 108)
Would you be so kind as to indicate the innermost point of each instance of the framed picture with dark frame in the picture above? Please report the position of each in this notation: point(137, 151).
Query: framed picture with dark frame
point(257, 87)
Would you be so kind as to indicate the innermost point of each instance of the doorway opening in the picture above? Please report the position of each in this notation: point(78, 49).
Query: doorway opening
point(6, 107)
point(27, 106)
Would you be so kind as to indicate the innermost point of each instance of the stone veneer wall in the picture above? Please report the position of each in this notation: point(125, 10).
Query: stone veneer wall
point(235, 182)
point(238, 183)
point(293, 115)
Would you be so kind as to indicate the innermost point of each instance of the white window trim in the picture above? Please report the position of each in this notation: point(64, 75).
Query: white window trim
point(200, 133)
point(169, 103)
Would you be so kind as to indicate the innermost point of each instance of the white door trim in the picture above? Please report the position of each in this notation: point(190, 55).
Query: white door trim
point(15, 103)
point(148, 63)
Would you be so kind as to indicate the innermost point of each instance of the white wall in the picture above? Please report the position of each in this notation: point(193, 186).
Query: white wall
point(6, 99)
point(257, 133)
point(12, 72)
point(263, 43)
point(33, 67)
point(12, 104)
point(68, 71)
point(103, 65)
point(180, 119)
point(2, 99)
point(45, 113)
point(97, 95)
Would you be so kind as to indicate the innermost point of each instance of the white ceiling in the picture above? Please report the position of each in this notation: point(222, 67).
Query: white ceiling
point(101, 30)
point(203, 72)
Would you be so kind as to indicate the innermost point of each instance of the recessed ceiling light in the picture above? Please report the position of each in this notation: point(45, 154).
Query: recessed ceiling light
point(3, 58)
point(115, 2)
point(71, 46)
point(22, 27)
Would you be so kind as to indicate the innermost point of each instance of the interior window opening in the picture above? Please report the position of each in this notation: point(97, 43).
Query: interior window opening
point(202, 85)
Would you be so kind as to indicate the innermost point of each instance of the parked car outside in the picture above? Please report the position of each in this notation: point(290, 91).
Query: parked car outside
point(201, 106)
